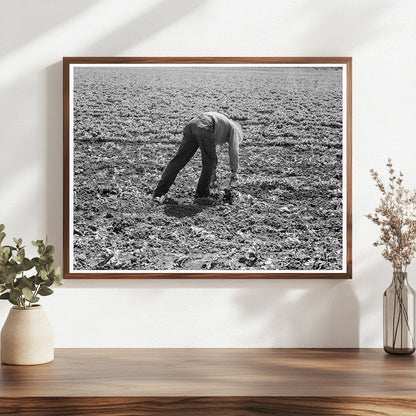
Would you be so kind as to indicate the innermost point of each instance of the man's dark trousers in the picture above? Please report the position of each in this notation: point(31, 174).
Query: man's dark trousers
point(199, 132)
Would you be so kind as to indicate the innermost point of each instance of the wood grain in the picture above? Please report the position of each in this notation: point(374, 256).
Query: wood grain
point(212, 381)
point(214, 372)
point(206, 60)
point(207, 406)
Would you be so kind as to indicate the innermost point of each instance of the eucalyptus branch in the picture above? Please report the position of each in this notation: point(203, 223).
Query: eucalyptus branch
point(16, 284)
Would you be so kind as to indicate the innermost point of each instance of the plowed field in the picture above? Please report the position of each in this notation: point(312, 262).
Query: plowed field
point(287, 211)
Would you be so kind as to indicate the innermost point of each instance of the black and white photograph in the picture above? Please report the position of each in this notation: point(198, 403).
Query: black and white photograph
point(207, 168)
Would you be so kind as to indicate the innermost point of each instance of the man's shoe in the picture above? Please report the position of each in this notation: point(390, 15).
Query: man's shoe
point(160, 199)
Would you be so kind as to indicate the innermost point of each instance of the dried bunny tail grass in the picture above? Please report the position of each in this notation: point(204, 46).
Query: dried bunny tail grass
point(396, 217)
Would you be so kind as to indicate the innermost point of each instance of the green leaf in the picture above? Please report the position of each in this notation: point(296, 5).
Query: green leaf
point(8, 277)
point(45, 291)
point(21, 255)
point(7, 296)
point(18, 242)
point(26, 264)
point(2, 235)
point(2, 227)
point(48, 282)
point(43, 274)
point(15, 294)
point(27, 293)
point(37, 243)
point(48, 260)
point(24, 282)
point(49, 250)
point(38, 280)
point(5, 250)
point(56, 272)
point(2, 288)
point(14, 268)
point(14, 302)
point(4, 255)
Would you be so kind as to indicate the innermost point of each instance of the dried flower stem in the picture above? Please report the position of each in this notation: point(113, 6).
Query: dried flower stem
point(396, 217)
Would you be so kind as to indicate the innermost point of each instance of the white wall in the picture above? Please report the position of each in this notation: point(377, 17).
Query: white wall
point(380, 35)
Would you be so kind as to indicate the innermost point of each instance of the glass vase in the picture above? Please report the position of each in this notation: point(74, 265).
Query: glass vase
point(399, 316)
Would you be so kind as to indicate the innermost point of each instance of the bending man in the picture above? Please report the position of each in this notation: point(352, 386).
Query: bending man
point(205, 131)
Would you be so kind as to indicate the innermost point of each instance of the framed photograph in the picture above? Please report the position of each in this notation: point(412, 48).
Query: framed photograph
point(207, 168)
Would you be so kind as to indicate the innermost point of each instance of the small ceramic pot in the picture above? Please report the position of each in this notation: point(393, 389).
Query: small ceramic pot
point(27, 337)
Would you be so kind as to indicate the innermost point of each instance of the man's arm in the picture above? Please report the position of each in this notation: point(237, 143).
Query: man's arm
point(234, 151)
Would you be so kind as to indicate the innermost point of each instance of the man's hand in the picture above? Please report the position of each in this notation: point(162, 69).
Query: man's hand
point(214, 185)
point(233, 181)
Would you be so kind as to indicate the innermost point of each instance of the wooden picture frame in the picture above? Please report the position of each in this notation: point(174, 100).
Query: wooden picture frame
point(291, 209)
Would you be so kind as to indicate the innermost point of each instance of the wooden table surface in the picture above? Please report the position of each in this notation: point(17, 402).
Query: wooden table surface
point(212, 381)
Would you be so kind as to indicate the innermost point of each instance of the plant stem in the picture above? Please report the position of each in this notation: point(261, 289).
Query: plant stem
point(401, 314)
point(394, 314)
point(36, 291)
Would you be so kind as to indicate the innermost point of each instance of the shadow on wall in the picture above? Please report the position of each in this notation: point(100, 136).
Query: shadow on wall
point(158, 17)
point(54, 146)
point(341, 26)
point(301, 313)
point(287, 313)
point(4, 311)
point(375, 276)
point(39, 16)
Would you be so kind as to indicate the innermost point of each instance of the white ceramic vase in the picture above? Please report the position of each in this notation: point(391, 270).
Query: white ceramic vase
point(27, 337)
